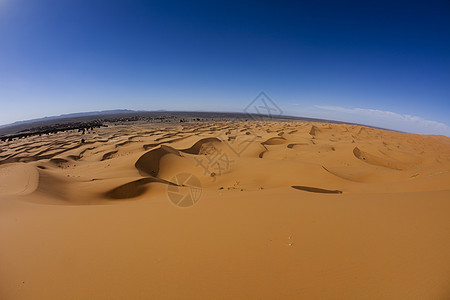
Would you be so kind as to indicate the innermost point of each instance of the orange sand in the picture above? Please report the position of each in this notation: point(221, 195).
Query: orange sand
point(286, 210)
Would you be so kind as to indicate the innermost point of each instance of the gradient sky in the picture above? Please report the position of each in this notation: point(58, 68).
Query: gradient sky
point(382, 63)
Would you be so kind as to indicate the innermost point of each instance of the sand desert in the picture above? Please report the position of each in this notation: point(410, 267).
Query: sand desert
point(225, 210)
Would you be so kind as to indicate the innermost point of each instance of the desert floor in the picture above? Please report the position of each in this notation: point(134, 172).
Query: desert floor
point(225, 210)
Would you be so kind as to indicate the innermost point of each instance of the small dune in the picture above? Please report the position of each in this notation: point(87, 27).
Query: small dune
point(125, 143)
point(290, 146)
point(108, 155)
point(196, 148)
point(148, 164)
point(18, 179)
point(134, 188)
point(274, 141)
point(59, 162)
point(378, 161)
point(314, 130)
point(149, 146)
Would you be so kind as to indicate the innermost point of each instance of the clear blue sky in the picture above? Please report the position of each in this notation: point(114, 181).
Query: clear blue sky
point(383, 63)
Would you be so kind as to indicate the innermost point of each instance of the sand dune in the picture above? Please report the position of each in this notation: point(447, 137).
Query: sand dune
point(18, 179)
point(197, 147)
point(134, 188)
point(283, 210)
point(378, 161)
point(274, 141)
point(149, 162)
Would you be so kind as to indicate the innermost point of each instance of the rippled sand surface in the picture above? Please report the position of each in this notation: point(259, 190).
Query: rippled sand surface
point(225, 210)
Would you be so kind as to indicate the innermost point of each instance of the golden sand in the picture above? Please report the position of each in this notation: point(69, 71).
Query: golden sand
point(268, 210)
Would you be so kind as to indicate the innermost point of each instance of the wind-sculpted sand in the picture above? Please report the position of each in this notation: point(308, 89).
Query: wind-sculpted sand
point(287, 210)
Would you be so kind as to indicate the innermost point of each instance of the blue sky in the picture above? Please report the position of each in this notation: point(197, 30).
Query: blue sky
point(382, 63)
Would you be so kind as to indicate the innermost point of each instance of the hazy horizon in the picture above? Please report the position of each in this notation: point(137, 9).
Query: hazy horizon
point(380, 64)
point(193, 111)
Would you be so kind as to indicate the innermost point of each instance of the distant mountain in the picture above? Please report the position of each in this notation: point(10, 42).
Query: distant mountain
point(69, 118)
point(73, 115)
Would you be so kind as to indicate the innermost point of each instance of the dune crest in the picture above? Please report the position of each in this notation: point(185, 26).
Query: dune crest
point(148, 164)
point(378, 161)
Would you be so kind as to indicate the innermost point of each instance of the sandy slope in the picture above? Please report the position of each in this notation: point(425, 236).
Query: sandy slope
point(286, 210)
